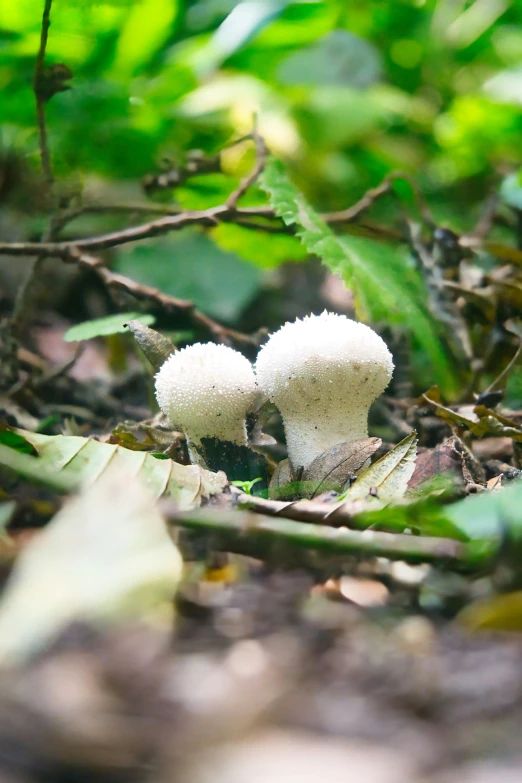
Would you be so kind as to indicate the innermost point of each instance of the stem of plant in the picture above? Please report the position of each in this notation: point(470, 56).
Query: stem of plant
point(302, 543)
point(24, 291)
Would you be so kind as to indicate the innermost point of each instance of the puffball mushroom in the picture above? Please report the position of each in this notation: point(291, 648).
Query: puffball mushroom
point(323, 373)
point(207, 391)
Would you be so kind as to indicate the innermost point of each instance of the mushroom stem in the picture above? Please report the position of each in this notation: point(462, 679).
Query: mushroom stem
point(332, 431)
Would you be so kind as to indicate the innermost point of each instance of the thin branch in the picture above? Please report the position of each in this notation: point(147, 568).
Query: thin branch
point(24, 290)
point(206, 217)
point(310, 511)
point(274, 539)
point(487, 217)
point(247, 182)
point(40, 99)
point(369, 198)
point(171, 304)
point(497, 383)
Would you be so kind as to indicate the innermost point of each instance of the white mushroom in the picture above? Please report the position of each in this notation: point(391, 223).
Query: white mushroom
point(207, 391)
point(323, 373)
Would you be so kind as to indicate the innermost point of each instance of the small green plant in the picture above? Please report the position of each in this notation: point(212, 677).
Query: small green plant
point(246, 486)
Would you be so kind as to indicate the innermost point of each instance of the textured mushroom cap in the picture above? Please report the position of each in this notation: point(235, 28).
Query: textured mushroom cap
point(207, 390)
point(323, 373)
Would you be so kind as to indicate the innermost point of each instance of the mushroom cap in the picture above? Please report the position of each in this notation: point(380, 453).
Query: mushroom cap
point(207, 390)
point(321, 362)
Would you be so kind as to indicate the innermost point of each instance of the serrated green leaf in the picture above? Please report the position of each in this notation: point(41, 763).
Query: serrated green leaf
point(67, 461)
point(101, 327)
point(389, 476)
point(385, 286)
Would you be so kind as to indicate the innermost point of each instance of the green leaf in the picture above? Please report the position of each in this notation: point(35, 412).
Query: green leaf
point(513, 398)
point(16, 441)
point(489, 514)
point(191, 266)
point(147, 27)
point(385, 286)
point(511, 190)
point(338, 58)
point(389, 475)
point(425, 516)
point(101, 327)
point(7, 510)
point(105, 557)
point(67, 461)
point(263, 249)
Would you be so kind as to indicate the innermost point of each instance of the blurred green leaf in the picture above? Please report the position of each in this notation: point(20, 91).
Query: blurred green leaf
point(338, 58)
point(513, 396)
point(105, 557)
point(16, 441)
point(384, 285)
point(147, 26)
point(191, 266)
point(489, 514)
point(264, 249)
point(7, 509)
point(511, 190)
point(100, 327)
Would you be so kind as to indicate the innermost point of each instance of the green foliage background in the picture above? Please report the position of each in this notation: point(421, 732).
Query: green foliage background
point(345, 92)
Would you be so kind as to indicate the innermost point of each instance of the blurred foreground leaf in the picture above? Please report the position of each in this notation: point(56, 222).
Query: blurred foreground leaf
point(383, 283)
point(105, 557)
point(494, 613)
point(66, 461)
point(490, 514)
point(100, 327)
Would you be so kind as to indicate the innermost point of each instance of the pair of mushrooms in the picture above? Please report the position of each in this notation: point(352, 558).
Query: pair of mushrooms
point(322, 372)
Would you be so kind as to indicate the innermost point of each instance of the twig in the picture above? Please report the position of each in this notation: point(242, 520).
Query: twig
point(206, 217)
point(369, 198)
point(268, 539)
point(23, 293)
point(40, 98)
point(334, 514)
point(487, 218)
point(505, 372)
point(169, 303)
point(247, 182)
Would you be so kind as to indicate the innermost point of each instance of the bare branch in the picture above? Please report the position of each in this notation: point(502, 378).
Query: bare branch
point(247, 182)
point(171, 304)
point(40, 100)
point(263, 537)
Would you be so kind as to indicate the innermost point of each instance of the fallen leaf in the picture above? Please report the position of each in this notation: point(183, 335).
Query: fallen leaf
point(67, 461)
point(495, 613)
point(450, 459)
point(105, 557)
point(389, 476)
point(331, 470)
